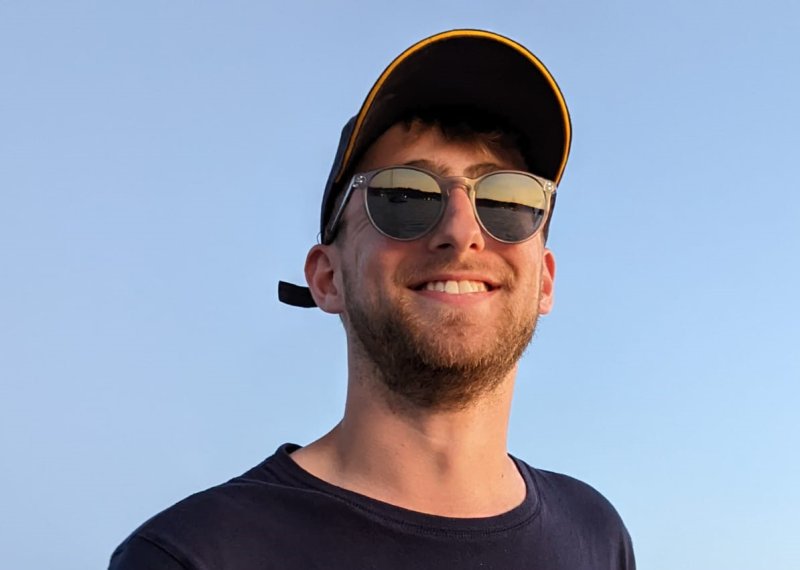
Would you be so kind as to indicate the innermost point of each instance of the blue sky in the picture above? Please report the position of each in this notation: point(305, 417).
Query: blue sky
point(161, 166)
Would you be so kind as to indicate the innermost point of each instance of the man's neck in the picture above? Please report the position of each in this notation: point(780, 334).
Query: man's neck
point(448, 463)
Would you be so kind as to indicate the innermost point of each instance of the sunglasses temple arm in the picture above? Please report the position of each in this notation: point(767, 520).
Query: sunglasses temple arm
point(546, 228)
point(330, 228)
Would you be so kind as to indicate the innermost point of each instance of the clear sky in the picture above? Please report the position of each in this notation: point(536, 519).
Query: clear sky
point(161, 167)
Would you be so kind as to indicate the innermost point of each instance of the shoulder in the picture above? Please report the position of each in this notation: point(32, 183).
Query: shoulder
point(562, 492)
point(200, 529)
point(180, 533)
point(578, 518)
point(568, 503)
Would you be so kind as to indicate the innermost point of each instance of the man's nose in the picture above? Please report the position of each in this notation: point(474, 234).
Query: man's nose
point(459, 228)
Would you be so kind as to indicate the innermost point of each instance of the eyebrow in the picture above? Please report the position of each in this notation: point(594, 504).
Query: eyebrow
point(473, 171)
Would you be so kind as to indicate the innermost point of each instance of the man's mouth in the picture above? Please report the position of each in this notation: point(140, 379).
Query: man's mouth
point(452, 287)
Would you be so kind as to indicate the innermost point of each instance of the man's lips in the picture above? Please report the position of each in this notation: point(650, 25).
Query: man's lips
point(455, 284)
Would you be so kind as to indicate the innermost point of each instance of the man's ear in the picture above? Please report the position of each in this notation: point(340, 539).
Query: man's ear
point(546, 282)
point(322, 266)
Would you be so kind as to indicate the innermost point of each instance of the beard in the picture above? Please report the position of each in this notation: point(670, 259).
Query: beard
point(441, 364)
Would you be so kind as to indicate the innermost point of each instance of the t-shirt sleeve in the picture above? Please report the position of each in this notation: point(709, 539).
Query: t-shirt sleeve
point(138, 553)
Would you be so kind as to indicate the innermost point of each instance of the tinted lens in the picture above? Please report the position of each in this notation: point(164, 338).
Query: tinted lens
point(511, 206)
point(403, 203)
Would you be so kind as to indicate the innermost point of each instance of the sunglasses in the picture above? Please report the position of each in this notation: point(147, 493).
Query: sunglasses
point(405, 202)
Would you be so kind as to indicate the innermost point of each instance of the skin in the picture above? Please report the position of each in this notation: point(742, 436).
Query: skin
point(448, 460)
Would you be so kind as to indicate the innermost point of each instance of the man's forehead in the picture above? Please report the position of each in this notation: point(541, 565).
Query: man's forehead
point(444, 169)
point(425, 146)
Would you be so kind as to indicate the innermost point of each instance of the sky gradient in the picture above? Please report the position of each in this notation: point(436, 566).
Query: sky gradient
point(161, 167)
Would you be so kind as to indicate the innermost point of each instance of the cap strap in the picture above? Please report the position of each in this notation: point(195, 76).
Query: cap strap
point(295, 295)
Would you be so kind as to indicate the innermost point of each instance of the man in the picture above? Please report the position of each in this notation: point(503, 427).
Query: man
point(433, 255)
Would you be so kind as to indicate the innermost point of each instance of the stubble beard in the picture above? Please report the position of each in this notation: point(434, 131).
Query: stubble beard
point(435, 366)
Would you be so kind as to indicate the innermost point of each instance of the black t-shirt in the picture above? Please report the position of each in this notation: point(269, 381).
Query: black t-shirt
point(278, 516)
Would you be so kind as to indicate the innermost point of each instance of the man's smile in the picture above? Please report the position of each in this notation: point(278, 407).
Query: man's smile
point(455, 287)
point(459, 282)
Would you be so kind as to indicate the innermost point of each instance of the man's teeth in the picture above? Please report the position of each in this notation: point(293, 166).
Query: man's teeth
point(456, 287)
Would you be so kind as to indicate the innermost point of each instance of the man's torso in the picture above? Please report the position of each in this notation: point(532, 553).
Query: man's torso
point(278, 516)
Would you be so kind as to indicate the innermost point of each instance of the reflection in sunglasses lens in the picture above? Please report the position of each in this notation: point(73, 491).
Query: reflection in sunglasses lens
point(511, 206)
point(405, 203)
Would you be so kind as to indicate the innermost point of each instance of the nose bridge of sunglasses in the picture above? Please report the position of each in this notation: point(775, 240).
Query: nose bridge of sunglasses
point(459, 198)
point(448, 185)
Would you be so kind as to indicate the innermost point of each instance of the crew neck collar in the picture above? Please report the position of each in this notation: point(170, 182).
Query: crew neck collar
point(410, 520)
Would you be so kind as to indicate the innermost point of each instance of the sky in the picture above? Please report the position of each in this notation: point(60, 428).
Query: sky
point(161, 168)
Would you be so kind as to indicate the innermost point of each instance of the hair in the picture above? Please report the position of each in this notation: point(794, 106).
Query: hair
point(471, 126)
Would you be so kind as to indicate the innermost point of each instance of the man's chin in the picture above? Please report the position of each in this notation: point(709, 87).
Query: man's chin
point(455, 346)
point(445, 367)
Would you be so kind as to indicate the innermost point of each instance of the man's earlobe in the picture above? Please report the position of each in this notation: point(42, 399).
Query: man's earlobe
point(547, 281)
point(321, 272)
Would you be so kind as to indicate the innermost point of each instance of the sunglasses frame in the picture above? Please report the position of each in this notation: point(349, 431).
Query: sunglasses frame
point(446, 185)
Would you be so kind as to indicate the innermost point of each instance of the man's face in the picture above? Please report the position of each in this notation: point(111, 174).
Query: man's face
point(433, 348)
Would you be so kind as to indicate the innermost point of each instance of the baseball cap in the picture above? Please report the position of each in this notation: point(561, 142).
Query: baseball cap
point(471, 69)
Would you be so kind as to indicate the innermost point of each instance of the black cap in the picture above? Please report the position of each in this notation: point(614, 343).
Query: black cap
point(461, 68)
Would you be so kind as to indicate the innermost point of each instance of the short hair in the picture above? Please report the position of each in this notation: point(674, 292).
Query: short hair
point(472, 126)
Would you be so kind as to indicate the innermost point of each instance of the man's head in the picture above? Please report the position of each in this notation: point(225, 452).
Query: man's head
point(441, 300)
